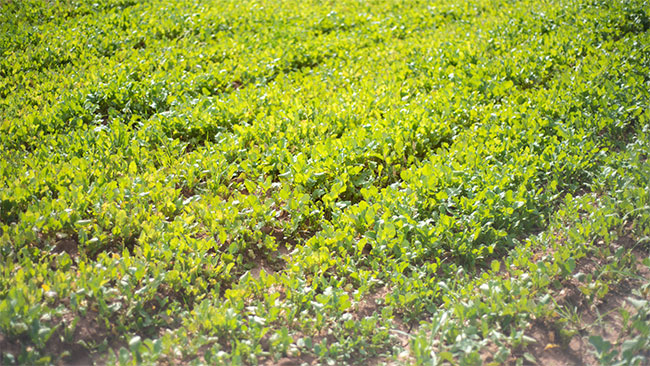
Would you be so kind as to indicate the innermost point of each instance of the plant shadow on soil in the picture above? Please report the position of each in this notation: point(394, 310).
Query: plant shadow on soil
point(554, 346)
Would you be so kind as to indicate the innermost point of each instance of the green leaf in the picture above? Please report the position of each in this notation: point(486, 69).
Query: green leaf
point(134, 342)
point(496, 266)
point(133, 168)
point(602, 346)
point(637, 303)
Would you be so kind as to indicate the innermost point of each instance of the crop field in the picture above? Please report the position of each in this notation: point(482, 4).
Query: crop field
point(302, 182)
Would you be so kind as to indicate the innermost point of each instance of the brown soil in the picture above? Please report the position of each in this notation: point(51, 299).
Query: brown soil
point(67, 245)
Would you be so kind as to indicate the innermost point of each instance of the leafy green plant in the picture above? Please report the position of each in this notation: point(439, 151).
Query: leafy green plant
point(247, 181)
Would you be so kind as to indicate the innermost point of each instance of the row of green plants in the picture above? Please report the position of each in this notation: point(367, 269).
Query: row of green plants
point(596, 244)
point(236, 182)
